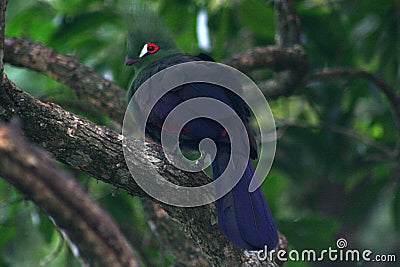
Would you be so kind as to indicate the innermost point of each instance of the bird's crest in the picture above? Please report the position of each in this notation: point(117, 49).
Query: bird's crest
point(144, 26)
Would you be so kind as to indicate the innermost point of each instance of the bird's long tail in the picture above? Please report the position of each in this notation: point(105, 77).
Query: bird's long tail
point(244, 217)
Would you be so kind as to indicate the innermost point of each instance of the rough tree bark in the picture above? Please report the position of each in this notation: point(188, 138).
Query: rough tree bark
point(62, 198)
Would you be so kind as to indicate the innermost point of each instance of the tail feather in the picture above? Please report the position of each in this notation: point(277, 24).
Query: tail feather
point(244, 216)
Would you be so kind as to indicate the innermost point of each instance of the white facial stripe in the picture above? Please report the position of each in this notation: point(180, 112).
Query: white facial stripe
point(144, 51)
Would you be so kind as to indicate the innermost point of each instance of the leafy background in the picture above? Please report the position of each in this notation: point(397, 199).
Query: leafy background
point(332, 176)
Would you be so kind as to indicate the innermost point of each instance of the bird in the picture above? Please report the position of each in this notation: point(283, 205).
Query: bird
point(244, 217)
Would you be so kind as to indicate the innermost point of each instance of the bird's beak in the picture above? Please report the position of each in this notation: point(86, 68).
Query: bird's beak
point(130, 61)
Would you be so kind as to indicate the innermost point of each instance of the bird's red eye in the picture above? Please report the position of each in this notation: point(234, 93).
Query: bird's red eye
point(152, 48)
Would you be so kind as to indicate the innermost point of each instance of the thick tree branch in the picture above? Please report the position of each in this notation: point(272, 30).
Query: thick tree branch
point(273, 57)
point(98, 151)
point(32, 172)
point(72, 139)
point(295, 60)
point(287, 36)
point(84, 81)
point(88, 85)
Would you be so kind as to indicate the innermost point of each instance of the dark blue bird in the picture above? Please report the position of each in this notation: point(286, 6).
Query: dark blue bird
point(244, 217)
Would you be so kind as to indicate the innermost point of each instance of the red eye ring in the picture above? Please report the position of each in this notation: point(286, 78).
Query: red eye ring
point(152, 48)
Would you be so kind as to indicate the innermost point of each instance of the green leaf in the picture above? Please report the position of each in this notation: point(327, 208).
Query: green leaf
point(258, 17)
point(74, 31)
point(35, 22)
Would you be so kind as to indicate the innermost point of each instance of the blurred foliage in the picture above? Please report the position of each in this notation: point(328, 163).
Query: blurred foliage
point(331, 177)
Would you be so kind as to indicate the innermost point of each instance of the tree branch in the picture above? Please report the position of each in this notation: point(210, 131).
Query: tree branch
point(287, 38)
point(389, 92)
point(283, 84)
point(293, 58)
point(72, 139)
point(84, 81)
point(32, 172)
point(273, 57)
point(388, 153)
point(98, 151)
point(88, 85)
point(338, 72)
point(288, 28)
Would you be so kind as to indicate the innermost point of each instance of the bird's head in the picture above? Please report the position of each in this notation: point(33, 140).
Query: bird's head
point(148, 39)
